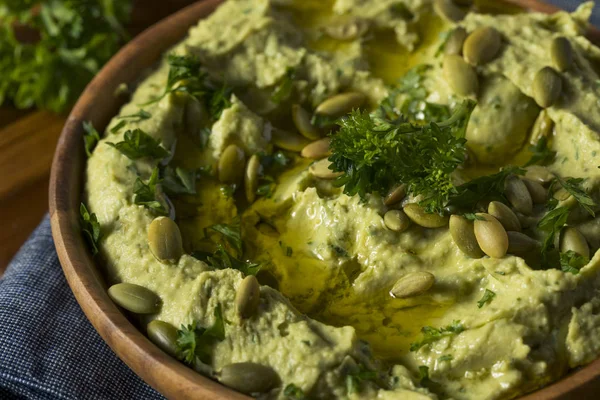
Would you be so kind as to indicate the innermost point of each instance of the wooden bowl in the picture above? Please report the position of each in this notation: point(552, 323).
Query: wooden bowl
point(98, 105)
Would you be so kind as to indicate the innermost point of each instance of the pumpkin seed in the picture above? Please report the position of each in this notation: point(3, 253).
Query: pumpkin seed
point(301, 119)
point(395, 195)
point(505, 215)
point(518, 196)
point(341, 104)
point(461, 77)
point(247, 297)
point(538, 193)
point(396, 220)
point(231, 165)
point(542, 128)
point(253, 171)
point(349, 30)
point(455, 41)
point(572, 239)
point(317, 149)
point(249, 377)
point(288, 140)
point(412, 284)
point(164, 239)
point(547, 87)
point(539, 174)
point(320, 169)
point(491, 236)
point(561, 53)
point(463, 234)
point(164, 335)
point(520, 244)
point(134, 298)
point(527, 221)
point(417, 214)
point(448, 10)
point(482, 45)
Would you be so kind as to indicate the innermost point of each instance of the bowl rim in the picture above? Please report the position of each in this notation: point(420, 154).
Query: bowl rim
point(161, 371)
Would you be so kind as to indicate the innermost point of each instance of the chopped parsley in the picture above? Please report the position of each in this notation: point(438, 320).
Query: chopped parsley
point(573, 186)
point(284, 89)
point(446, 357)
point(138, 144)
point(138, 116)
point(178, 180)
point(572, 262)
point(487, 297)
point(145, 194)
point(376, 153)
point(222, 259)
point(195, 343)
point(90, 227)
point(551, 224)
point(118, 126)
point(431, 334)
point(232, 233)
point(540, 153)
point(293, 392)
point(91, 137)
point(355, 379)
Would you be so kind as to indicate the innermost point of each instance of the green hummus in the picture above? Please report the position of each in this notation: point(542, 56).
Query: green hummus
point(333, 319)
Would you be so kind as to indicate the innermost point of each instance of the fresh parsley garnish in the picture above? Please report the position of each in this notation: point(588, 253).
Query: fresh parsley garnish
point(145, 194)
point(195, 342)
point(487, 297)
point(423, 374)
point(232, 233)
point(473, 217)
point(552, 223)
point(178, 180)
point(573, 186)
point(138, 144)
point(222, 259)
point(266, 186)
point(284, 88)
point(90, 227)
point(540, 153)
point(118, 126)
point(71, 42)
point(354, 379)
point(446, 357)
point(572, 262)
point(375, 154)
point(219, 100)
point(293, 392)
point(138, 116)
point(431, 334)
point(91, 137)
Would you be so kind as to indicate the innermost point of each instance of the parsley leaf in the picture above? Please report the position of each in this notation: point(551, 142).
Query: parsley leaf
point(232, 233)
point(90, 227)
point(137, 144)
point(71, 42)
point(194, 342)
point(431, 334)
point(219, 100)
point(541, 154)
point(91, 137)
point(446, 357)
point(573, 186)
point(423, 374)
point(572, 262)
point(354, 379)
point(178, 181)
point(293, 392)
point(145, 194)
point(138, 116)
point(374, 154)
point(552, 223)
point(284, 88)
point(118, 126)
point(487, 297)
point(222, 259)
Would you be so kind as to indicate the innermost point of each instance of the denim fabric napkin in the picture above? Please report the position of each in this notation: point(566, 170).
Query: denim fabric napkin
point(48, 349)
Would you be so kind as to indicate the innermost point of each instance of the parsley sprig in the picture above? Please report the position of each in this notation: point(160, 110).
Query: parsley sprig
point(572, 262)
point(146, 194)
point(90, 227)
point(376, 153)
point(487, 297)
point(138, 144)
point(431, 334)
point(91, 137)
point(195, 343)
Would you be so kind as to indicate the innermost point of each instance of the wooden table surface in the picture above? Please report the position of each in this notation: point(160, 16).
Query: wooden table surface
point(27, 142)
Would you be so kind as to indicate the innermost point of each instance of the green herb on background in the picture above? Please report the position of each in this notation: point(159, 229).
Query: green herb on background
point(446, 357)
point(473, 217)
point(284, 89)
point(141, 115)
point(293, 392)
point(194, 342)
point(487, 297)
point(374, 154)
point(90, 227)
point(91, 137)
point(573, 186)
point(572, 262)
point(145, 194)
point(552, 223)
point(232, 233)
point(423, 374)
point(219, 100)
point(355, 379)
point(118, 126)
point(69, 42)
point(541, 154)
point(137, 144)
point(222, 259)
point(178, 180)
point(431, 334)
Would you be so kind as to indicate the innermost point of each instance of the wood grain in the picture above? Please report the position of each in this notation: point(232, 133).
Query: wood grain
point(164, 373)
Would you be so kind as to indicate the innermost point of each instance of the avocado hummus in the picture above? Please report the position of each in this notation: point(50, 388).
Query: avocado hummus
point(361, 199)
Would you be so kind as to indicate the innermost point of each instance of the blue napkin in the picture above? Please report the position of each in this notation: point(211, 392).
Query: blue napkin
point(48, 349)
